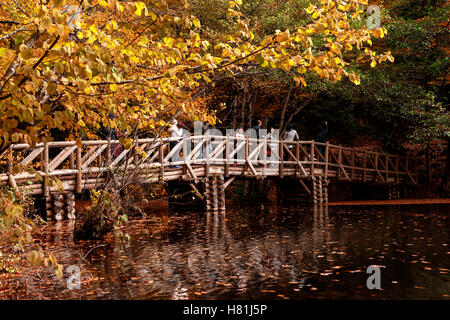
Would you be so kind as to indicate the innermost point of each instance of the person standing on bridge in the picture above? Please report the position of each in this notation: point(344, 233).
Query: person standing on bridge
point(176, 131)
point(289, 136)
point(322, 137)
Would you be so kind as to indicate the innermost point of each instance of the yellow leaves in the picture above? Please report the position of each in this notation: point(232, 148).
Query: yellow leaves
point(315, 15)
point(139, 7)
point(299, 80)
point(211, 120)
point(196, 22)
point(354, 78)
point(379, 32)
point(6, 53)
point(310, 9)
point(93, 29)
point(59, 3)
point(282, 36)
point(103, 3)
point(113, 87)
point(373, 64)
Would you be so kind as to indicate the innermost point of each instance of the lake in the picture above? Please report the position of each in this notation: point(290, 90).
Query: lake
point(258, 252)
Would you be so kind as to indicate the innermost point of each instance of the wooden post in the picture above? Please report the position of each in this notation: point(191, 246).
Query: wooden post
point(214, 193)
point(325, 191)
point(79, 177)
point(297, 156)
point(108, 152)
point(221, 192)
point(208, 194)
point(246, 153)
point(70, 206)
point(353, 164)
point(281, 158)
point(376, 167)
point(387, 167)
point(9, 162)
point(227, 157)
point(135, 152)
point(339, 159)
point(45, 186)
point(396, 169)
point(315, 189)
point(161, 158)
point(207, 143)
point(312, 158)
point(365, 166)
point(327, 148)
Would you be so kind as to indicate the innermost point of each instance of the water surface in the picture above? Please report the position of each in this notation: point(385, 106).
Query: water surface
point(260, 253)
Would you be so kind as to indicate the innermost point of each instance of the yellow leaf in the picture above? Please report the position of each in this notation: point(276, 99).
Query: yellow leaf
point(373, 63)
point(113, 87)
point(103, 3)
point(310, 9)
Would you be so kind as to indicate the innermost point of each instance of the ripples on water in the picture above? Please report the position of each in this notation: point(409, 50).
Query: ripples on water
point(262, 253)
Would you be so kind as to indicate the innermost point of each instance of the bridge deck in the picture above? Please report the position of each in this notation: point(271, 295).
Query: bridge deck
point(90, 163)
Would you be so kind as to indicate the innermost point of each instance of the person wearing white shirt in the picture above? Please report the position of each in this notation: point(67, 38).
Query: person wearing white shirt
point(175, 132)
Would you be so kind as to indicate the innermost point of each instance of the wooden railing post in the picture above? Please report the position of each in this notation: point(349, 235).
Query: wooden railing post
point(339, 160)
point(327, 148)
point(376, 165)
point(297, 157)
point(312, 158)
point(207, 143)
point(396, 169)
point(79, 177)
point(365, 166)
point(246, 152)
point(108, 152)
point(353, 163)
point(387, 167)
point(46, 182)
point(161, 157)
point(227, 155)
point(281, 158)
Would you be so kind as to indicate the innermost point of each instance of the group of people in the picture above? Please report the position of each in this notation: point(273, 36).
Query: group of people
point(176, 130)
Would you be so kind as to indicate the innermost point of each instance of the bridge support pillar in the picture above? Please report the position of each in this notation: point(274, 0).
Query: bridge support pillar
point(393, 192)
point(215, 193)
point(60, 206)
point(320, 190)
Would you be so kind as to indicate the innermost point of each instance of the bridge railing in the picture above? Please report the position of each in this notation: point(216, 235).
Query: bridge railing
point(82, 165)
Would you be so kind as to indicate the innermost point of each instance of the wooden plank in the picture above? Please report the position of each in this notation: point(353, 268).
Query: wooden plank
point(299, 164)
point(304, 186)
point(45, 181)
point(228, 182)
point(327, 149)
point(99, 150)
point(191, 172)
point(36, 152)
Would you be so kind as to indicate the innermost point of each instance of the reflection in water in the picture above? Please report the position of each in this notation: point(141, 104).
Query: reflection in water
point(273, 252)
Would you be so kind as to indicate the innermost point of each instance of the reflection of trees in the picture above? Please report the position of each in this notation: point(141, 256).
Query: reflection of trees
point(212, 261)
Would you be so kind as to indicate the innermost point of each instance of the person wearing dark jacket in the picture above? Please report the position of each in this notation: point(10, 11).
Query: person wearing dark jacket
point(322, 137)
point(257, 128)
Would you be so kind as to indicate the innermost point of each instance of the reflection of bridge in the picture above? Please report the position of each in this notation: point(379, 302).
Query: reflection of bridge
point(213, 160)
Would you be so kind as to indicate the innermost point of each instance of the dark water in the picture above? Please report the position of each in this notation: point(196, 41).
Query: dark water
point(262, 253)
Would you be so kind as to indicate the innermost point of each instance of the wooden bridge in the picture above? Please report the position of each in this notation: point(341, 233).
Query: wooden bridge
point(213, 161)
